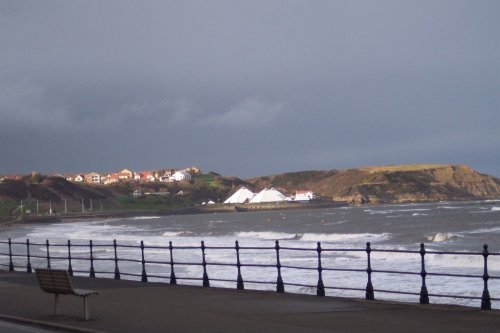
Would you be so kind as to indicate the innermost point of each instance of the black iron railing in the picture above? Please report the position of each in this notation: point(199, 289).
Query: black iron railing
point(20, 259)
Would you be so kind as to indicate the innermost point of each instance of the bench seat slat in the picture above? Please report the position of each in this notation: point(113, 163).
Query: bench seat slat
point(58, 282)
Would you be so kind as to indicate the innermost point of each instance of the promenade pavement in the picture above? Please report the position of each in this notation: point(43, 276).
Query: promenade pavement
point(128, 306)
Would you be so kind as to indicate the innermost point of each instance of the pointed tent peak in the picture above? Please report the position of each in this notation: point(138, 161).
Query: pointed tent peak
point(268, 195)
point(240, 196)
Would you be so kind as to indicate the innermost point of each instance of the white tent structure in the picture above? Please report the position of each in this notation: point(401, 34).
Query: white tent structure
point(268, 195)
point(240, 196)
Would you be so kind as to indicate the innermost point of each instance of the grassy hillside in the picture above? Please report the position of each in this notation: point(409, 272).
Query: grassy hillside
point(380, 184)
point(60, 195)
point(384, 184)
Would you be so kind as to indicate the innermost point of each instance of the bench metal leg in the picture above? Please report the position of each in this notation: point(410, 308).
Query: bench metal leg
point(57, 305)
point(86, 312)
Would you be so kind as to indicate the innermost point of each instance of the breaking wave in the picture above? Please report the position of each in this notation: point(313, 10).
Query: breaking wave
point(145, 217)
point(390, 211)
point(313, 237)
point(346, 238)
point(267, 235)
point(177, 233)
point(441, 236)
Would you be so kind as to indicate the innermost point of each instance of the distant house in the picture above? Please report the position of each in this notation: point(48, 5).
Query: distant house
point(111, 179)
point(126, 174)
point(165, 179)
point(194, 171)
point(164, 175)
point(11, 177)
point(93, 178)
point(145, 176)
point(304, 195)
point(69, 177)
point(79, 178)
point(181, 175)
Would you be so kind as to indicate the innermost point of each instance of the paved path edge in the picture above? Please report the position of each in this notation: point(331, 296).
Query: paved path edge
point(45, 324)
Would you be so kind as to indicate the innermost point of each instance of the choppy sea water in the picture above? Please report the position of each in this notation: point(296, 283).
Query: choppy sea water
point(445, 226)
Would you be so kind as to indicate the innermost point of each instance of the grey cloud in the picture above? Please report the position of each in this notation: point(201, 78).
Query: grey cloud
point(251, 112)
point(271, 86)
point(25, 103)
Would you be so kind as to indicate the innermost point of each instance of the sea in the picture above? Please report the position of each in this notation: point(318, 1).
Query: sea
point(443, 227)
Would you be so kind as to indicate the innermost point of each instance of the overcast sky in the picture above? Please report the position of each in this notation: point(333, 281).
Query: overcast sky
point(248, 88)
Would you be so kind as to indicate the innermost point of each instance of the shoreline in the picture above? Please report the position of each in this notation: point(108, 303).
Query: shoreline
point(29, 219)
point(9, 221)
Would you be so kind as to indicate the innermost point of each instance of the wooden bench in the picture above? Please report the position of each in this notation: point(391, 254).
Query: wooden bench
point(58, 282)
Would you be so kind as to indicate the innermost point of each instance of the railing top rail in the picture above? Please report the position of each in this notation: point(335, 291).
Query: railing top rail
point(324, 248)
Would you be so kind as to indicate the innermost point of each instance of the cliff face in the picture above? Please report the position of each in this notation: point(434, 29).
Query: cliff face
point(390, 184)
point(409, 183)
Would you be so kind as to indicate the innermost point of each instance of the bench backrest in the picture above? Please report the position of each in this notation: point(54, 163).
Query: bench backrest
point(55, 281)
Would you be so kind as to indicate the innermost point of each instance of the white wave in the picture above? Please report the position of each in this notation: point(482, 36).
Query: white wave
point(484, 230)
point(454, 207)
point(419, 214)
point(390, 211)
point(177, 233)
point(81, 231)
point(441, 236)
point(271, 235)
point(346, 238)
point(146, 217)
point(495, 209)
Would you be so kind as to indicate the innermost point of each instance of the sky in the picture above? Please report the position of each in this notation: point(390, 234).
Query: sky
point(248, 88)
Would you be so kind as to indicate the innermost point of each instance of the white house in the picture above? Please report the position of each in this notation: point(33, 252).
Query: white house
point(180, 176)
point(304, 195)
point(93, 178)
point(79, 178)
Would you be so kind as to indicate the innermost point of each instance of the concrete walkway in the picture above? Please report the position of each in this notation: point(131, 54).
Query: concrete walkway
point(127, 306)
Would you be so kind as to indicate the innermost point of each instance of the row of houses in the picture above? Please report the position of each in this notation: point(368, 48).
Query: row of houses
point(163, 175)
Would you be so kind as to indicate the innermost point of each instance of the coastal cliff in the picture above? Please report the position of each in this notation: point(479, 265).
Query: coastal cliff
point(372, 185)
point(390, 184)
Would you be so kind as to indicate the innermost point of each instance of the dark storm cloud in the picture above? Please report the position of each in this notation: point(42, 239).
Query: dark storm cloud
point(248, 88)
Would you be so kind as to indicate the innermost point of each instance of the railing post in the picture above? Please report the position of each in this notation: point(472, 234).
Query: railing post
point(48, 253)
point(206, 281)
point(92, 271)
point(424, 295)
point(70, 268)
point(117, 271)
point(369, 295)
point(173, 280)
point(239, 281)
point(28, 265)
point(485, 299)
point(280, 287)
point(144, 276)
point(11, 264)
point(320, 288)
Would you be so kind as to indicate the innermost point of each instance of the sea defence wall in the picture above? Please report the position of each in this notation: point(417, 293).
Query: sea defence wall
point(81, 259)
